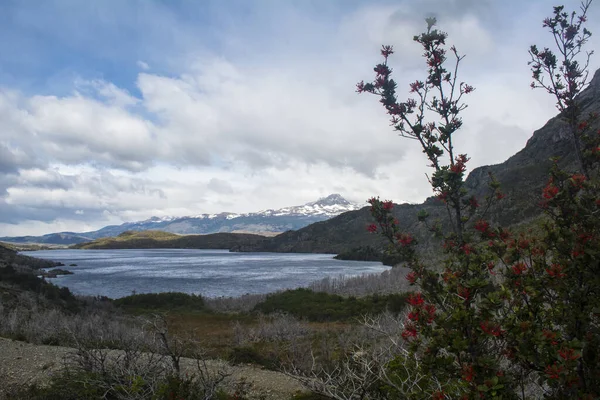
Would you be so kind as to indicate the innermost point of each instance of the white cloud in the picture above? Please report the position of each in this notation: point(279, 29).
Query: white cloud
point(230, 132)
point(144, 66)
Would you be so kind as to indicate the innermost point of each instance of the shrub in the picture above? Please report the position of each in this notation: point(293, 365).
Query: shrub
point(509, 316)
point(162, 301)
point(320, 307)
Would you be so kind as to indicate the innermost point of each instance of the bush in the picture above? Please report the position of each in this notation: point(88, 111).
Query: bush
point(321, 307)
point(162, 301)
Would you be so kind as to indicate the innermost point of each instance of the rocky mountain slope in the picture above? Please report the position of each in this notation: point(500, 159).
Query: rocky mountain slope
point(522, 177)
point(266, 221)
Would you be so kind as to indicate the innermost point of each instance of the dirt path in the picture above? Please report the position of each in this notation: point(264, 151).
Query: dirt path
point(25, 363)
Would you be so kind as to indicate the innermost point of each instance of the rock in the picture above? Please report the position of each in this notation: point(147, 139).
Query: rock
point(53, 273)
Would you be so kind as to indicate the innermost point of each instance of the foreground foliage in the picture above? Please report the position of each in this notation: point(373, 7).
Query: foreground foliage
point(508, 316)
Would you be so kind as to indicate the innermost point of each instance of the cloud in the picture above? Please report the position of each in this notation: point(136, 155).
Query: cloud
point(240, 112)
point(220, 186)
point(144, 66)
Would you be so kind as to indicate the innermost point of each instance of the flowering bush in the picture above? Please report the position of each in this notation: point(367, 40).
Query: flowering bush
point(507, 315)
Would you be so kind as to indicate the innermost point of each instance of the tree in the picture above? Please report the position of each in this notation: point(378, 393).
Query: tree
point(510, 316)
point(452, 323)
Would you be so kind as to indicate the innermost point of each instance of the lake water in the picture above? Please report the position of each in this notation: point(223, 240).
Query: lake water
point(211, 273)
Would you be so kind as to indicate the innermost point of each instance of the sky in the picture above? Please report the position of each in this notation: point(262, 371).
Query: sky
point(115, 111)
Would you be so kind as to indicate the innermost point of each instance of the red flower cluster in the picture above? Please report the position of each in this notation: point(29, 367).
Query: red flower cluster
point(409, 331)
point(553, 371)
point(568, 354)
point(415, 299)
point(388, 205)
point(416, 86)
point(464, 292)
point(491, 329)
point(468, 89)
point(414, 315)
point(430, 309)
point(360, 87)
point(438, 395)
point(519, 268)
point(405, 239)
point(482, 226)
point(473, 202)
point(411, 277)
point(372, 228)
point(555, 271)
point(550, 191)
point(467, 373)
point(460, 165)
point(467, 249)
point(386, 51)
point(577, 181)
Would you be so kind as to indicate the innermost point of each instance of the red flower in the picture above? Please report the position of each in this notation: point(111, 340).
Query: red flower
point(415, 299)
point(519, 268)
point(360, 87)
point(372, 228)
point(388, 205)
point(473, 202)
point(493, 330)
point(568, 354)
point(468, 89)
point(405, 239)
point(550, 191)
point(464, 292)
point(482, 226)
point(449, 244)
point(386, 51)
point(555, 271)
point(430, 308)
point(409, 332)
point(577, 180)
point(413, 315)
point(467, 249)
point(553, 371)
point(411, 277)
point(443, 196)
point(500, 196)
point(416, 86)
point(438, 396)
point(467, 373)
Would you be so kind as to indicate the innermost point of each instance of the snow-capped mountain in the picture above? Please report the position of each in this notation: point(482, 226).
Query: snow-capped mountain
point(266, 221)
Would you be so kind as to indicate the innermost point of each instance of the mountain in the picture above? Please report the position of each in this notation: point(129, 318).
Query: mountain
point(266, 221)
point(522, 178)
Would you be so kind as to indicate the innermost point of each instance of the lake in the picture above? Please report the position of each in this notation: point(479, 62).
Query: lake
point(210, 273)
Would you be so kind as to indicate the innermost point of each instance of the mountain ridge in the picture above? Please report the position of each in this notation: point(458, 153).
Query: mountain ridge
point(264, 221)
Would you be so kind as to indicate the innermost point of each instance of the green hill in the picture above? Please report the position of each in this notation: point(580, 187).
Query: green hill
point(166, 240)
